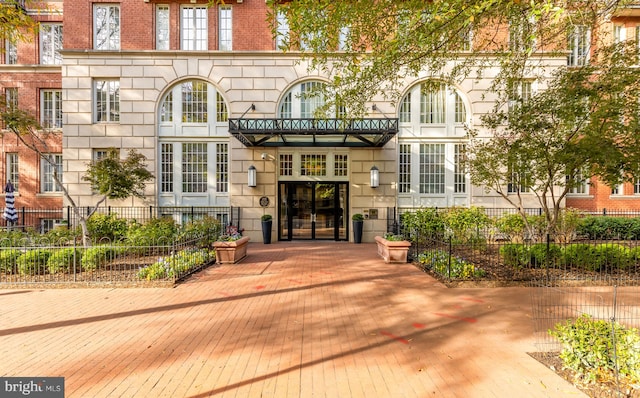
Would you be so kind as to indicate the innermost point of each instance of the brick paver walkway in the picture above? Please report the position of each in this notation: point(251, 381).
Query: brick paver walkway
point(300, 319)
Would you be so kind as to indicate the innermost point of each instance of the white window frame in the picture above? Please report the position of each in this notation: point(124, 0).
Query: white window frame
point(520, 93)
point(222, 167)
point(47, 182)
point(225, 28)
point(50, 43)
point(194, 28)
point(432, 168)
point(459, 171)
point(109, 97)
point(108, 40)
point(520, 180)
point(282, 30)
point(166, 167)
point(582, 188)
point(579, 45)
point(404, 168)
point(13, 169)
point(194, 167)
point(51, 109)
point(163, 31)
point(10, 53)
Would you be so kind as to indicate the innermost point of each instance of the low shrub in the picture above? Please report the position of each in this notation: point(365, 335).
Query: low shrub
point(612, 256)
point(33, 262)
point(545, 256)
point(157, 231)
point(516, 255)
point(588, 349)
point(581, 255)
point(96, 256)
point(64, 260)
point(107, 227)
point(440, 262)
point(176, 265)
point(8, 259)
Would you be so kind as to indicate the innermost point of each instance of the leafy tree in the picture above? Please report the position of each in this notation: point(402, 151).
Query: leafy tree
point(585, 123)
point(15, 23)
point(110, 177)
point(382, 42)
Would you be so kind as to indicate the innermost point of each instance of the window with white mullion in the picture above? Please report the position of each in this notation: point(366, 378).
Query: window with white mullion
point(636, 187)
point(404, 168)
point(10, 53)
point(432, 168)
point(459, 174)
point(50, 44)
point(107, 100)
point(194, 28)
point(162, 27)
point(51, 117)
point(194, 167)
point(579, 45)
point(13, 174)
point(282, 30)
point(310, 99)
point(106, 18)
point(225, 31)
point(194, 102)
point(222, 167)
point(432, 105)
point(48, 169)
point(166, 167)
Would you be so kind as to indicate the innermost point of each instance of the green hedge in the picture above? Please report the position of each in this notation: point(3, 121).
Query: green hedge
point(33, 262)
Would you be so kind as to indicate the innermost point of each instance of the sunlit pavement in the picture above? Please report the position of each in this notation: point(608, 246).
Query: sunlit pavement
point(294, 319)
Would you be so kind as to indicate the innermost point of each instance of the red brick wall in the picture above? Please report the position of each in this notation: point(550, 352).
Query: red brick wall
point(600, 198)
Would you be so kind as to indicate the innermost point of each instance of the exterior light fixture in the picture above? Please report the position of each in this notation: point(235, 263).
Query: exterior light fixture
point(251, 177)
point(375, 177)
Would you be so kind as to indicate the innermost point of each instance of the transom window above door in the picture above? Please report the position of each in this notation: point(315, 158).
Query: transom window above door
point(331, 165)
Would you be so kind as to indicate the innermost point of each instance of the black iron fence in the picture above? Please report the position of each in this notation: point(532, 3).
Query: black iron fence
point(43, 220)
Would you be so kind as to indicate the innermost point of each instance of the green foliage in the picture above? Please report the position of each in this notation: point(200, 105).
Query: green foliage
point(611, 256)
point(512, 226)
point(208, 228)
point(33, 262)
point(176, 265)
point(266, 217)
point(605, 227)
point(546, 255)
point(8, 259)
point(515, 255)
point(63, 235)
point(467, 224)
point(393, 238)
point(96, 256)
point(357, 217)
point(588, 349)
point(157, 231)
point(107, 227)
point(443, 264)
point(424, 222)
point(12, 238)
point(580, 255)
point(64, 260)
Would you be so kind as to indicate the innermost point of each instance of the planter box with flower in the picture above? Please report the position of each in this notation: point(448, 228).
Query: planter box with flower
point(393, 248)
point(231, 248)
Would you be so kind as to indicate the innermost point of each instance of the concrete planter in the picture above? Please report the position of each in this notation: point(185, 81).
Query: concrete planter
point(393, 251)
point(231, 252)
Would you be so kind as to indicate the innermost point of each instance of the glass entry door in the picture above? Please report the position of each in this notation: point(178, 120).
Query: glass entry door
point(312, 210)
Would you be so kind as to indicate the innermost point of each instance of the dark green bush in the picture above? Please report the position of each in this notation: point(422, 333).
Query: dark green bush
point(612, 256)
point(545, 256)
point(64, 260)
point(208, 228)
point(424, 223)
point(588, 349)
point(33, 262)
point(605, 227)
point(96, 256)
point(581, 255)
point(8, 259)
point(516, 255)
point(107, 227)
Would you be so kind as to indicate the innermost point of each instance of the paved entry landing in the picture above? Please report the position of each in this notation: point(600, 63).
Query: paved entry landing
point(294, 319)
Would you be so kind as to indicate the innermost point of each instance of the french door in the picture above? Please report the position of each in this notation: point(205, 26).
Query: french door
point(313, 210)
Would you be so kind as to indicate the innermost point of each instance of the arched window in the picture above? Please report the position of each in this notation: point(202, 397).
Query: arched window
point(303, 100)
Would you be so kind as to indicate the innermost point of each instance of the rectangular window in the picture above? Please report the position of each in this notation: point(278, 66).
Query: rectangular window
point(162, 27)
point(106, 20)
point(459, 174)
point(10, 53)
point(225, 31)
point(580, 184)
point(286, 164)
point(432, 168)
point(313, 165)
point(466, 38)
point(194, 167)
point(636, 187)
point(99, 154)
point(520, 93)
point(166, 168)
point(194, 102)
point(11, 97)
point(51, 109)
point(222, 167)
point(50, 44)
point(404, 169)
point(194, 28)
point(520, 180)
point(48, 170)
point(432, 105)
point(405, 109)
point(13, 174)
point(340, 165)
point(282, 30)
point(107, 100)
point(579, 45)
point(310, 99)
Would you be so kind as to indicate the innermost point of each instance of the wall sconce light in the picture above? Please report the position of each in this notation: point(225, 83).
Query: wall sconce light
point(251, 177)
point(375, 177)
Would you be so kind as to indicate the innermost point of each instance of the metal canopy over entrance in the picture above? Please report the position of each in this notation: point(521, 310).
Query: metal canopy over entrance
point(278, 132)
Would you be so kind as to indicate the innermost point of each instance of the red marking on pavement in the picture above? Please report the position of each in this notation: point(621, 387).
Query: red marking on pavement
point(260, 287)
point(470, 320)
point(473, 299)
point(397, 338)
point(419, 325)
point(457, 306)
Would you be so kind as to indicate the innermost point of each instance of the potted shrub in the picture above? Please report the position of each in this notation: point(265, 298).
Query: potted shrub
point(393, 248)
point(231, 248)
point(267, 222)
point(358, 221)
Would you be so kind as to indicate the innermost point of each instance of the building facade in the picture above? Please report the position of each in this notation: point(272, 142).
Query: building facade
point(225, 118)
